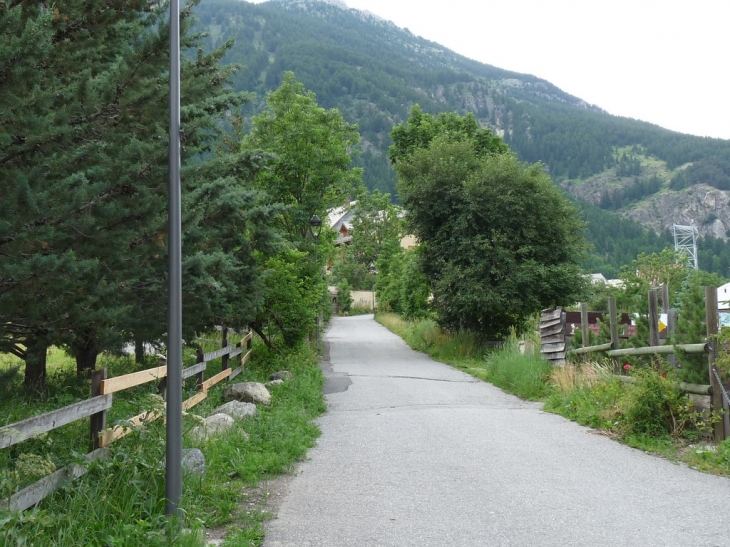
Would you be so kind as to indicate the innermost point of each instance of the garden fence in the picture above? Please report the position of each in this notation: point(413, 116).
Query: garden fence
point(97, 406)
point(554, 347)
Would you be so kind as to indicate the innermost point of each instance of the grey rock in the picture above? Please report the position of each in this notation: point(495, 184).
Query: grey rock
point(217, 423)
point(274, 383)
point(248, 392)
point(281, 375)
point(193, 461)
point(237, 409)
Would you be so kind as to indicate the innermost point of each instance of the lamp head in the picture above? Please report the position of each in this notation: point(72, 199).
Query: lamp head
point(315, 227)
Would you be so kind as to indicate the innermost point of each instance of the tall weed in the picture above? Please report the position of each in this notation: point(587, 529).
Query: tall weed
point(525, 375)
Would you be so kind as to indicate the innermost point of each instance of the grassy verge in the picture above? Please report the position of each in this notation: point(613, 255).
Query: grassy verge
point(651, 414)
point(120, 502)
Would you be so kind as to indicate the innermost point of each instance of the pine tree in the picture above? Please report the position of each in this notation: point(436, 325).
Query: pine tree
point(84, 169)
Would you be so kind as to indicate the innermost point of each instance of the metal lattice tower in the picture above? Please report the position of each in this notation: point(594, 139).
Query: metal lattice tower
point(685, 241)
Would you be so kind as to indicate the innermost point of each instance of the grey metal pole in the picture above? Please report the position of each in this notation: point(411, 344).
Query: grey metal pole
point(173, 456)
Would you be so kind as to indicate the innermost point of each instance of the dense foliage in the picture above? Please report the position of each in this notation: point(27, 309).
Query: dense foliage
point(84, 172)
point(498, 241)
point(84, 176)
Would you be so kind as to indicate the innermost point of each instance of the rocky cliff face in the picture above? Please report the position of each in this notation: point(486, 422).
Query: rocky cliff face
point(702, 206)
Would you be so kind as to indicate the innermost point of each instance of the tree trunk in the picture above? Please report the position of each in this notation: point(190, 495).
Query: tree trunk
point(138, 351)
point(86, 351)
point(258, 329)
point(35, 368)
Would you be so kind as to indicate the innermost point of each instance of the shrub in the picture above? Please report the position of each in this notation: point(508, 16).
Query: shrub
point(654, 405)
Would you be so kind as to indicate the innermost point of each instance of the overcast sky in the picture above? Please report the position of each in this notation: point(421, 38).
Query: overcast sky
point(662, 61)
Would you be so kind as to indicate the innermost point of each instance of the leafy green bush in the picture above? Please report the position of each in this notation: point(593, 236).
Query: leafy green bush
point(344, 296)
point(591, 405)
point(654, 405)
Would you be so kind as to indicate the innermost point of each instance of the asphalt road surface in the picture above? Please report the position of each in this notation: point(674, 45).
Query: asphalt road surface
point(415, 453)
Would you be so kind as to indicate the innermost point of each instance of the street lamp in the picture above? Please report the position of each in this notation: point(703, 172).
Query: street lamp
point(315, 228)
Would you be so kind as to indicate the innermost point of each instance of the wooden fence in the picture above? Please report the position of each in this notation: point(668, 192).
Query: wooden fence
point(556, 350)
point(97, 406)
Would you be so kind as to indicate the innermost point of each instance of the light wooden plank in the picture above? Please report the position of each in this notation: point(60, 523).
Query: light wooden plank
point(555, 329)
point(547, 315)
point(108, 436)
point(194, 400)
point(246, 338)
point(658, 350)
point(246, 357)
point(548, 348)
point(217, 353)
point(215, 379)
point(552, 339)
point(192, 371)
point(550, 323)
point(25, 429)
point(592, 349)
point(110, 385)
point(32, 494)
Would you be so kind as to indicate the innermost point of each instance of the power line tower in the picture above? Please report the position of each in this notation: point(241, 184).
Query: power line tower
point(685, 241)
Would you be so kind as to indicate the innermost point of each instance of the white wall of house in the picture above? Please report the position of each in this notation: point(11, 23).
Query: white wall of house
point(363, 299)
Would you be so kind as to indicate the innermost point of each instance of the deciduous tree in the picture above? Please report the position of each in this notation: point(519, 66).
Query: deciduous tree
point(499, 241)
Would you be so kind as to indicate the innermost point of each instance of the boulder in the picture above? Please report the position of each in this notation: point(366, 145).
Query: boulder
point(248, 392)
point(193, 461)
point(217, 423)
point(237, 409)
point(281, 375)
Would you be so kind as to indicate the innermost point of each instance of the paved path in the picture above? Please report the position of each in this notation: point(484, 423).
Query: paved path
point(415, 453)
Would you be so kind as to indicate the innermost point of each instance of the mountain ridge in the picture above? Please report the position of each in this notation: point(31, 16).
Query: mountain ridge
point(373, 72)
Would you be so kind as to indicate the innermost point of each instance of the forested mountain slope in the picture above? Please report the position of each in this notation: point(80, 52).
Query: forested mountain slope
point(373, 72)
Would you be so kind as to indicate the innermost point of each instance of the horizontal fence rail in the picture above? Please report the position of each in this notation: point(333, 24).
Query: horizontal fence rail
point(43, 423)
point(648, 350)
point(31, 495)
point(695, 389)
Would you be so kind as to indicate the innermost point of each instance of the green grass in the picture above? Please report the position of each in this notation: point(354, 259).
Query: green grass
point(523, 375)
point(461, 350)
point(120, 502)
point(358, 310)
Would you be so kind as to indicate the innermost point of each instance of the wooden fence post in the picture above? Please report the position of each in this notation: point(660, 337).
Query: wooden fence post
point(98, 420)
point(200, 376)
point(613, 324)
point(239, 358)
point(584, 324)
point(224, 343)
point(653, 318)
point(654, 326)
point(712, 329)
point(664, 298)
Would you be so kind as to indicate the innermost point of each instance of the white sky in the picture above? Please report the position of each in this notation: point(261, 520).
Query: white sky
point(662, 61)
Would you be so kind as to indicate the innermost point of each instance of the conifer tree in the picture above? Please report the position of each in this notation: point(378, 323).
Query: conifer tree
point(83, 164)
